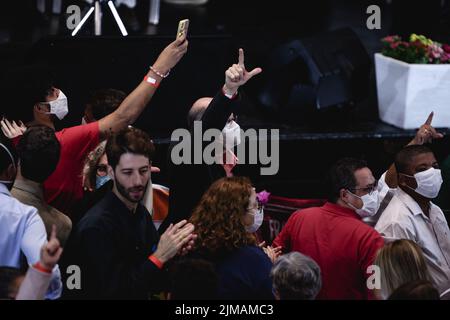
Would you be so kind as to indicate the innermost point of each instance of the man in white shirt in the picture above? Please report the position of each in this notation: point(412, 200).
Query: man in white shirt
point(388, 181)
point(411, 214)
point(22, 230)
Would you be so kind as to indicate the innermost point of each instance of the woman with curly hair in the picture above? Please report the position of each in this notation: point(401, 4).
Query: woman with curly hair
point(95, 180)
point(225, 219)
point(95, 173)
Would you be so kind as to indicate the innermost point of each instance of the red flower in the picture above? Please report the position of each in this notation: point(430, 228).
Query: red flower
point(446, 48)
point(445, 57)
point(388, 39)
point(263, 196)
point(391, 39)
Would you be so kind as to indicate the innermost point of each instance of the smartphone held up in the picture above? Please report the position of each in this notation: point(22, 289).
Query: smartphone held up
point(183, 26)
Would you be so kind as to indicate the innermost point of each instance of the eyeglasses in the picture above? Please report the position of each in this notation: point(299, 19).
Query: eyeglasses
point(369, 189)
point(102, 169)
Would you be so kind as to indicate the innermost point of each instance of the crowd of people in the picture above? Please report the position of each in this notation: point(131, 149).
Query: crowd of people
point(83, 197)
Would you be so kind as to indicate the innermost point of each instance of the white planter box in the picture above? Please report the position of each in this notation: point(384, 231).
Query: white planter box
point(407, 93)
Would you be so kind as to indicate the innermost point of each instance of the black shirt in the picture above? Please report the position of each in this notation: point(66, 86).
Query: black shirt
point(111, 245)
point(188, 182)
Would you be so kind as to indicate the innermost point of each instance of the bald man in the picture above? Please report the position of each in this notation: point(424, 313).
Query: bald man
point(197, 110)
point(188, 182)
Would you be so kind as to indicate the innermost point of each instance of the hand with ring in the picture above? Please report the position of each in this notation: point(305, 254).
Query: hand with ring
point(426, 133)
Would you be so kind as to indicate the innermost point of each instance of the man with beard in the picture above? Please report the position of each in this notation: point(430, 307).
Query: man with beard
point(116, 245)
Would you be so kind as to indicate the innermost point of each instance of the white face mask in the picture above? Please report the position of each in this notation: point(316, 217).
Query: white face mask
point(370, 204)
point(232, 134)
point(258, 218)
point(59, 107)
point(428, 182)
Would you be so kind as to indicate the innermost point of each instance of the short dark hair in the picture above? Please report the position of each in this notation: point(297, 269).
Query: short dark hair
point(38, 151)
point(104, 102)
point(128, 140)
point(405, 156)
point(193, 279)
point(7, 277)
point(342, 176)
point(25, 86)
point(415, 290)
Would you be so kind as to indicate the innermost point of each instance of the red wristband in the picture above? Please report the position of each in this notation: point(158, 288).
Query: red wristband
point(151, 81)
point(156, 261)
point(39, 267)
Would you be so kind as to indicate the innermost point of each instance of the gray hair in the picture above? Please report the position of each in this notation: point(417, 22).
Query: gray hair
point(296, 276)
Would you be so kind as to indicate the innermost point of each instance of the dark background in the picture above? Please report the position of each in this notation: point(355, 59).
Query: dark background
point(217, 30)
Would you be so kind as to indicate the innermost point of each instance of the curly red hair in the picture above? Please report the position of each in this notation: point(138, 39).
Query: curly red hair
point(218, 217)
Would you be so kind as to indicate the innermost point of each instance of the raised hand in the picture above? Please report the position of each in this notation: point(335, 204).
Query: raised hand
point(51, 251)
point(426, 132)
point(237, 75)
point(12, 130)
point(171, 55)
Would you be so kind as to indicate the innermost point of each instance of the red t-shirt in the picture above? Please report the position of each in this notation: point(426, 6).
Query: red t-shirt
point(63, 188)
point(341, 244)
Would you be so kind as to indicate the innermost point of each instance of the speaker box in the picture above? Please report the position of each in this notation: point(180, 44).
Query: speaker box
point(305, 77)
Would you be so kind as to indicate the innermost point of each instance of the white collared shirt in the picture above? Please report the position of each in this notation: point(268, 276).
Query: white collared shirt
point(403, 219)
point(384, 197)
point(22, 231)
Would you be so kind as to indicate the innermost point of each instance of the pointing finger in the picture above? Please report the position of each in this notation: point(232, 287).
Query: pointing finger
point(241, 57)
point(254, 72)
point(430, 118)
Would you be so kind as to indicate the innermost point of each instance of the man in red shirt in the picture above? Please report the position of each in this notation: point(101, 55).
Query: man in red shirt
point(63, 189)
point(335, 236)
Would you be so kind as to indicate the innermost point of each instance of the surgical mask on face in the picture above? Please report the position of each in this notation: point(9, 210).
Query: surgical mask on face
point(257, 221)
point(231, 134)
point(370, 204)
point(59, 107)
point(8, 183)
point(428, 182)
point(100, 181)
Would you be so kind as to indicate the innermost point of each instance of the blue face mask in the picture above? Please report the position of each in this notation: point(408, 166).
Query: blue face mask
point(100, 181)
